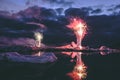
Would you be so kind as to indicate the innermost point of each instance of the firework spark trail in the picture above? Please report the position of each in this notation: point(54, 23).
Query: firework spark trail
point(79, 27)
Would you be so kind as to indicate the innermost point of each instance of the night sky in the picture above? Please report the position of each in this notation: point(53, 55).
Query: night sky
point(102, 17)
point(16, 5)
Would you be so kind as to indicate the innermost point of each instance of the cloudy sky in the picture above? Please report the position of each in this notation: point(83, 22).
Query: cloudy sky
point(16, 5)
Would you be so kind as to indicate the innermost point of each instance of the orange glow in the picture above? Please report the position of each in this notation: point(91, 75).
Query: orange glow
point(80, 68)
point(79, 71)
point(79, 27)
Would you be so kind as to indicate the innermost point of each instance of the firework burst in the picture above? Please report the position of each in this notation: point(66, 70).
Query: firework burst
point(79, 27)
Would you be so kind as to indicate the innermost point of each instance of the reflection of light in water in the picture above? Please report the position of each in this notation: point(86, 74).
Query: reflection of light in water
point(102, 52)
point(80, 68)
point(79, 71)
point(38, 37)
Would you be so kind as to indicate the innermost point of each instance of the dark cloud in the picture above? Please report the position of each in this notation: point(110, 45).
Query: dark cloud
point(110, 9)
point(117, 7)
point(96, 11)
point(114, 8)
point(10, 27)
point(116, 13)
point(16, 25)
point(59, 11)
point(61, 2)
point(77, 12)
point(35, 12)
point(29, 13)
point(5, 13)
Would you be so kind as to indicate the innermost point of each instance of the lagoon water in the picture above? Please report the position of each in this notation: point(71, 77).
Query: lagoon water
point(99, 67)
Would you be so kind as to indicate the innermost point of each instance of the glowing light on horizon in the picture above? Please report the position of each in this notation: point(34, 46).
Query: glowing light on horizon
point(38, 37)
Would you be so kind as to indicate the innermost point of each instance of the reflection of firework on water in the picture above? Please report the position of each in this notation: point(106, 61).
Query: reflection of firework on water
point(79, 71)
point(80, 68)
